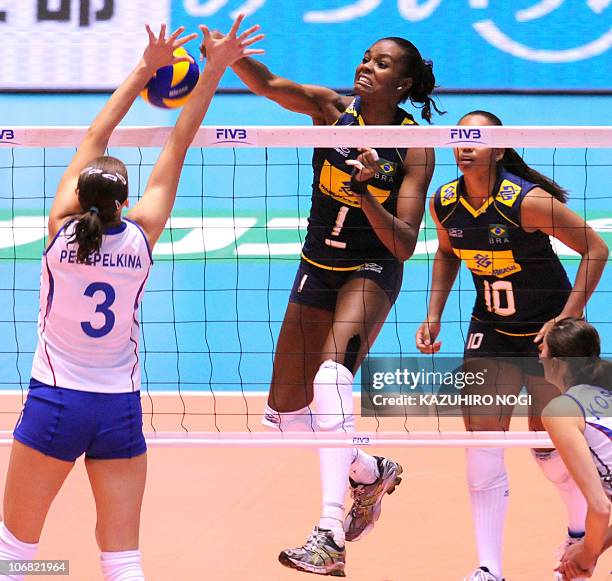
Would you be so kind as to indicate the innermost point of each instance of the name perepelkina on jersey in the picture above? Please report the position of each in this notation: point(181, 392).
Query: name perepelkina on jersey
point(106, 259)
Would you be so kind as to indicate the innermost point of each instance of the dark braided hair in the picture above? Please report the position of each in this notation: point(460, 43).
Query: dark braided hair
point(420, 71)
point(515, 164)
point(577, 342)
point(102, 189)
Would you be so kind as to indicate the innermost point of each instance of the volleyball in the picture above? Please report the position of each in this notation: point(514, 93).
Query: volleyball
point(172, 85)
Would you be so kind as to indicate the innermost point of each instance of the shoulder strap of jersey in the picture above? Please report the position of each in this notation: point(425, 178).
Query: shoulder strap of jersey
point(404, 118)
point(446, 199)
point(351, 115)
point(510, 195)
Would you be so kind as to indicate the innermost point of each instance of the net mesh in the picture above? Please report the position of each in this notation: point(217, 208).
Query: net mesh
point(225, 264)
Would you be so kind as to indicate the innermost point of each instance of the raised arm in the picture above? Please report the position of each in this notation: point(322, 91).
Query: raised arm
point(541, 211)
point(158, 53)
point(153, 209)
point(320, 103)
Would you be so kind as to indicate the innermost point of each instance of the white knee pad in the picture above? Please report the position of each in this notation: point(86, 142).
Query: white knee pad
point(301, 420)
point(333, 397)
point(121, 566)
point(12, 549)
point(486, 469)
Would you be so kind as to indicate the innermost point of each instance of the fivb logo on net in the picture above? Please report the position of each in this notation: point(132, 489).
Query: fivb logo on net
point(466, 136)
point(234, 135)
point(8, 136)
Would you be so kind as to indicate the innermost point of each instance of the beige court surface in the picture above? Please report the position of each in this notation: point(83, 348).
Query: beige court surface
point(223, 514)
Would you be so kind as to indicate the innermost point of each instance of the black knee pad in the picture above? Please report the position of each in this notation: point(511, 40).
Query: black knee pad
point(353, 348)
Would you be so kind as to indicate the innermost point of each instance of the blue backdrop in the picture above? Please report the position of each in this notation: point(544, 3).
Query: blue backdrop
point(475, 44)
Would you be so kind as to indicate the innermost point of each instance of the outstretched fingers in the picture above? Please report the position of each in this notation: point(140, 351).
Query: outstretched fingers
point(152, 38)
point(248, 32)
point(234, 29)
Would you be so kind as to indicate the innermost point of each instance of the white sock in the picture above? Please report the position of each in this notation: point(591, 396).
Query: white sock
point(333, 396)
point(364, 469)
point(488, 488)
point(554, 469)
point(301, 420)
point(121, 566)
point(12, 549)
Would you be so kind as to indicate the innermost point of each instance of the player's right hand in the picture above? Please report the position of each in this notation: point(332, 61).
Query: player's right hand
point(160, 51)
point(426, 337)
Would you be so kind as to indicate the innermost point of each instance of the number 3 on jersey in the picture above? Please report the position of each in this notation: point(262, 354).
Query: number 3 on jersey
point(340, 218)
point(103, 307)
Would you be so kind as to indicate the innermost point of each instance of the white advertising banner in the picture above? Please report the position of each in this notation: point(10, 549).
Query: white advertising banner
point(73, 44)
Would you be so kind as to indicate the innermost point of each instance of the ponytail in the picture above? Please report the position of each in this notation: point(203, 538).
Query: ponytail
point(421, 72)
point(515, 164)
point(592, 371)
point(422, 86)
point(88, 233)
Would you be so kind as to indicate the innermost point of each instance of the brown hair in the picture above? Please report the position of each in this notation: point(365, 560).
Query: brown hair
point(515, 164)
point(577, 342)
point(102, 190)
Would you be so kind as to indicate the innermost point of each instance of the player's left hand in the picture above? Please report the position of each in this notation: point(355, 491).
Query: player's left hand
point(366, 164)
point(226, 49)
point(544, 330)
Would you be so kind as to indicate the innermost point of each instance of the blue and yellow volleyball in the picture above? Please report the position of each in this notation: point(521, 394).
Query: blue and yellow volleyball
point(172, 85)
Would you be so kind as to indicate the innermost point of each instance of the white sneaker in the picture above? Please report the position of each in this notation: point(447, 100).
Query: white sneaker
point(481, 574)
point(566, 544)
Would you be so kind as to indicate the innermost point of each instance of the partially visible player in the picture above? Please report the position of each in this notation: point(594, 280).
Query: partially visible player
point(498, 217)
point(84, 393)
point(580, 425)
point(360, 231)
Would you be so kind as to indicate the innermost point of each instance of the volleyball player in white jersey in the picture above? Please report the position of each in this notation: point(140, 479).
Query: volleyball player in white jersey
point(580, 425)
point(84, 393)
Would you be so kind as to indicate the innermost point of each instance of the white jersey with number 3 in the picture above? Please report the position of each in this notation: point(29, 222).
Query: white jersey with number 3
point(596, 405)
point(88, 330)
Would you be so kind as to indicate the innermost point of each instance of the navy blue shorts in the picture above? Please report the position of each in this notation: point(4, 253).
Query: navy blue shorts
point(493, 340)
point(66, 423)
point(318, 287)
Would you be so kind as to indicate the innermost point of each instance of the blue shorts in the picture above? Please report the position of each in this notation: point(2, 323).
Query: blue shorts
point(318, 287)
point(66, 423)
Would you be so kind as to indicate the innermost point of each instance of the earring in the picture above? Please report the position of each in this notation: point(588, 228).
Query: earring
point(400, 88)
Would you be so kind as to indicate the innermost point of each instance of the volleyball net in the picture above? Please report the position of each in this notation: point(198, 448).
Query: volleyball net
point(227, 259)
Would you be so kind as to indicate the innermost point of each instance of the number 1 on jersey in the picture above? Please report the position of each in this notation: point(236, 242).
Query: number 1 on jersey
point(342, 212)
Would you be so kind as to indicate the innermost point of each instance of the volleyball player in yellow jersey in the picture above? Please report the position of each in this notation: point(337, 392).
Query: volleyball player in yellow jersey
point(498, 217)
point(84, 394)
point(360, 231)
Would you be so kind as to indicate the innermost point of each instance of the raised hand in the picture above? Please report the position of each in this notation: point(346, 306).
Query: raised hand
point(224, 50)
point(160, 51)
